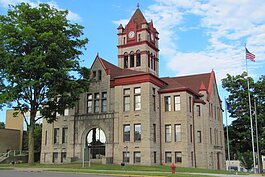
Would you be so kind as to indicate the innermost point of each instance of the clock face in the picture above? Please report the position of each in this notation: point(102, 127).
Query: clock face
point(131, 34)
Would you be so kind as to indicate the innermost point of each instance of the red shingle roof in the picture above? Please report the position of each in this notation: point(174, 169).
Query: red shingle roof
point(138, 18)
point(115, 71)
point(192, 82)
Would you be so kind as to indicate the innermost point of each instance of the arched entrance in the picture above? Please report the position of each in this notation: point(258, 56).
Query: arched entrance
point(95, 143)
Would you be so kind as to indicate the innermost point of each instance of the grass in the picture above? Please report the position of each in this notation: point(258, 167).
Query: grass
point(117, 169)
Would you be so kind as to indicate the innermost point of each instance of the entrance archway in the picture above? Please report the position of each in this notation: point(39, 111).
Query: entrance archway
point(95, 141)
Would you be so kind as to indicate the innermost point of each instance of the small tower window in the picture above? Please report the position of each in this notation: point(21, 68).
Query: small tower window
point(139, 37)
point(131, 59)
point(151, 62)
point(154, 63)
point(125, 60)
point(138, 58)
point(148, 60)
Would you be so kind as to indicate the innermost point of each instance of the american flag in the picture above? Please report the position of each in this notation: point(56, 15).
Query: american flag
point(250, 56)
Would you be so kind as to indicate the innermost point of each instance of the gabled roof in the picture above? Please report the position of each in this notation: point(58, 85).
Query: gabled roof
point(116, 72)
point(138, 18)
point(190, 83)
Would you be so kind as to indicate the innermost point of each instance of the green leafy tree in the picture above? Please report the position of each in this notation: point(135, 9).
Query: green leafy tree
point(246, 160)
point(39, 63)
point(2, 125)
point(240, 129)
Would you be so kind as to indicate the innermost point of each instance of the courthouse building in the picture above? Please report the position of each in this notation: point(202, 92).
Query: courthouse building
point(132, 115)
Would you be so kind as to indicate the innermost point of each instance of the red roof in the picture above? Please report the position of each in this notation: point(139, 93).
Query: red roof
point(191, 83)
point(138, 18)
point(115, 71)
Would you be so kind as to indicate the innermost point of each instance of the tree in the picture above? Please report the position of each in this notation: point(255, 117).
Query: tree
point(246, 160)
point(2, 125)
point(37, 138)
point(39, 63)
point(239, 130)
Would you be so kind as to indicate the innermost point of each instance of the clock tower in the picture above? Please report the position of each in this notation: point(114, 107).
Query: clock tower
point(138, 45)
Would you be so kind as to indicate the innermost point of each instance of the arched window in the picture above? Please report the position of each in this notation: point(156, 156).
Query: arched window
point(151, 62)
point(125, 60)
point(131, 59)
point(138, 58)
point(148, 57)
point(154, 62)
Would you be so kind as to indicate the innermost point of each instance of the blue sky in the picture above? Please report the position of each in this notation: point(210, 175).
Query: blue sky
point(196, 36)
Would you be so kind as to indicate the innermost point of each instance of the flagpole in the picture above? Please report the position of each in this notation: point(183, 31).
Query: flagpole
point(250, 116)
point(257, 135)
point(227, 136)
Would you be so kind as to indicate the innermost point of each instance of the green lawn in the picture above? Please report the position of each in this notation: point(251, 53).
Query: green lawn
point(117, 169)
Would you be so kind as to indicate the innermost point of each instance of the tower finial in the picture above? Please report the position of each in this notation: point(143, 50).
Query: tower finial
point(138, 5)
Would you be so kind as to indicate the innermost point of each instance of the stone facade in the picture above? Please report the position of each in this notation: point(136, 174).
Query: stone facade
point(131, 115)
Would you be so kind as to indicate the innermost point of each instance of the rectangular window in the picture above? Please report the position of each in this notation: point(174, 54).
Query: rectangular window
point(154, 99)
point(199, 136)
point(64, 135)
point(126, 133)
point(191, 133)
point(45, 137)
point(137, 157)
point(167, 103)
point(221, 139)
point(178, 157)
point(99, 75)
point(168, 157)
point(154, 133)
point(168, 133)
point(211, 140)
point(104, 102)
point(191, 154)
point(126, 157)
point(89, 103)
point(56, 136)
point(126, 100)
point(190, 104)
point(94, 74)
point(198, 110)
point(96, 103)
point(176, 103)
point(177, 132)
point(154, 64)
point(154, 156)
point(55, 157)
point(66, 112)
point(151, 62)
point(137, 99)
point(215, 112)
point(63, 157)
point(212, 109)
point(137, 132)
point(148, 60)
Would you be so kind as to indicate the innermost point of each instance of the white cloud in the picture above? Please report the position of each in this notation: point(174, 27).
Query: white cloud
point(228, 24)
point(71, 15)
